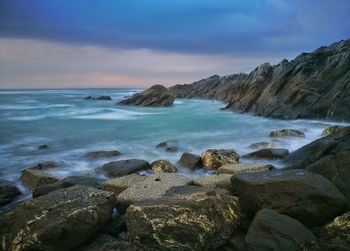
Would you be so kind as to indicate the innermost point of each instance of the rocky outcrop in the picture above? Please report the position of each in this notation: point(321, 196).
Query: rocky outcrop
point(33, 178)
point(307, 197)
point(163, 166)
point(287, 133)
point(156, 96)
point(273, 231)
point(245, 168)
point(268, 153)
point(8, 192)
point(214, 158)
point(120, 168)
point(186, 218)
point(53, 221)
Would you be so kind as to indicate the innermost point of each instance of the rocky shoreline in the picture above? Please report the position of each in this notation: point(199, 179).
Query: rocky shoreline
point(239, 207)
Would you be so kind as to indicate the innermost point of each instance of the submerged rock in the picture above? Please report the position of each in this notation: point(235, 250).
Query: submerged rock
point(155, 96)
point(287, 133)
point(8, 192)
point(305, 196)
point(163, 166)
point(102, 154)
point(273, 231)
point(98, 98)
point(214, 158)
point(268, 153)
point(187, 218)
point(53, 221)
point(245, 168)
point(332, 129)
point(45, 165)
point(33, 179)
point(120, 168)
point(118, 185)
point(43, 147)
point(189, 160)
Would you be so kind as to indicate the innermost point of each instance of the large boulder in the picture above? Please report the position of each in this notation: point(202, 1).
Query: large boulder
point(155, 96)
point(102, 154)
point(153, 187)
point(53, 221)
point(8, 192)
point(245, 168)
point(118, 185)
point(222, 181)
point(307, 197)
point(189, 160)
point(214, 158)
point(120, 168)
point(287, 133)
point(163, 166)
point(268, 153)
point(186, 218)
point(33, 178)
point(270, 230)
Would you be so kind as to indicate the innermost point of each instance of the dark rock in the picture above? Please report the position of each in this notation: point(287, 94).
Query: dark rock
point(163, 166)
point(305, 196)
point(171, 149)
point(89, 98)
point(287, 133)
point(155, 96)
point(119, 168)
point(43, 147)
point(196, 219)
point(8, 192)
point(102, 154)
point(166, 144)
point(235, 243)
point(332, 129)
point(328, 156)
point(268, 153)
point(43, 166)
point(33, 178)
point(189, 160)
point(115, 226)
point(273, 231)
point(108, 243)
point(214, 158)
point(118, 185)
point(53, 221)
point(245, 168)
point(104, 98)
point(262, 145)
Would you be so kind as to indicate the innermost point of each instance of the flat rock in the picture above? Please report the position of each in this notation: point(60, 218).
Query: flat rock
point(119, 168)
point(189, 160)
point(268, 153)
point(118, 185)
point(307, 197)
point(102, 154)
point(163, 166)
point(215, 181)
point(245, 168)
point(214, 158)
point(196, 219)
point(270, 230)
point(8, 192)
point(287, 133)
point(33, 178)
point(153, 187)
point(53, 221)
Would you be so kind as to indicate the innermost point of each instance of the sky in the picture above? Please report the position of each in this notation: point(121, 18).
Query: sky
point(138, 43)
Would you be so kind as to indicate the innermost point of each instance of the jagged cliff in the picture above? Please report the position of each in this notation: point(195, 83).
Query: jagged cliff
point(313, 85)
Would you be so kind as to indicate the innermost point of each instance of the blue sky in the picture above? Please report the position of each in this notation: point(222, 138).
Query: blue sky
point(88, 43)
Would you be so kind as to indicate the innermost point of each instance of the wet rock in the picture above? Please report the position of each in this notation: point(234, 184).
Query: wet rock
point(109, 243)
point(268, 153)
point(166, 144)
point(118, 185)
point(8, 192)
point(120, 168)
point(153, 187)
point(287, 133)
point(189, 160)
point(215, 181)
point(305, 196)
point(171, 149)
point(43, 147)
point(155, 96)
point(163, 166)
point(45, 165)
point(262, 145)
point(98, 98)
point(235, 243)
point(332, 129)
point(214, 158)
point(195, 219)
point(33, 179)
point(245, 168)
point(273, 231)
point(53, 221)
point(102, 154)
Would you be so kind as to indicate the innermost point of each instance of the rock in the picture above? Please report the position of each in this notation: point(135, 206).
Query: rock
point(171, 149)
point(153, 187)
point(262, 145)
point(222, 181)
point(155, 96)
point(118, 185)
point(8, 192)
point(163, 166)
point(166, 144)
point(119, 168)
point(214, 158)
point(45, 165)
point(305, 196)
point(108, 243)
point(273, 231)
point(115, 226)
point(98, 98)
point(185, 219)
point(328, 156)
point(53, 221)
point(245, 168)
point(332, 129)
point(268, 153)
point(89, 98)
point(189, 160)
point(287, 133)
point(102, 154)
point(43, 147)
point(235, 243)
point(33, 179)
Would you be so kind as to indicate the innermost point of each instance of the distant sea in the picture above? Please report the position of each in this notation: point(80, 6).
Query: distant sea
point(72, 126)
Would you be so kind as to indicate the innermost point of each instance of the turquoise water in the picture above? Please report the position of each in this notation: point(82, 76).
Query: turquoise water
point(72, 126)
